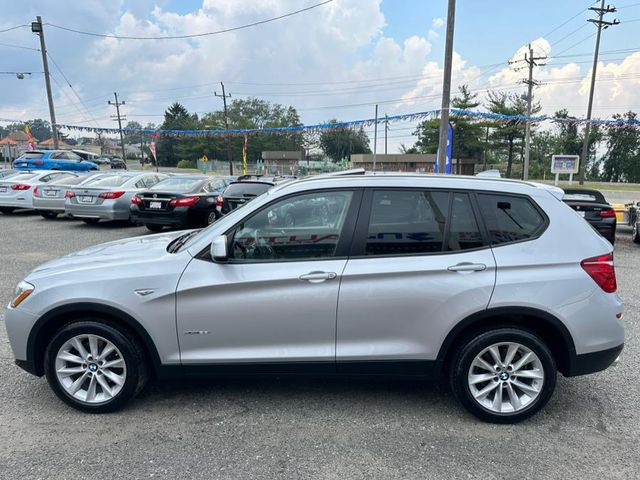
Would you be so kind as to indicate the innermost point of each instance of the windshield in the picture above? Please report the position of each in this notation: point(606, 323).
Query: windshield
point(583, 196)
point(108, 181)
point(246, 189)
point(177, 184)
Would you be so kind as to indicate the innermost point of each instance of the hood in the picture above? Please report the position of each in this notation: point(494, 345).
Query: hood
point(110, 255)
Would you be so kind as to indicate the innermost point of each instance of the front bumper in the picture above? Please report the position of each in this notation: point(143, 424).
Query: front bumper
point(593, 362)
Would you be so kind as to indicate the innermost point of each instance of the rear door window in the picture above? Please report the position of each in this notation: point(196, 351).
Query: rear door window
point(464, 232)
point(510, 218)
point(407, 222)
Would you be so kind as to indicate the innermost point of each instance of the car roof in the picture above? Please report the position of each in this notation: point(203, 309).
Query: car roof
point(420, 181)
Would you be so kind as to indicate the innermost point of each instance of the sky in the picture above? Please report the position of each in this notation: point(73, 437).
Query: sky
point(334, 61)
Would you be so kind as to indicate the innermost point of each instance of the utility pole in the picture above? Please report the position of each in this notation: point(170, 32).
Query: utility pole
point(386, 129)
point(530, 60)
point(375, 140)
point(446, 88)
point(601, 24)
point(117, 104)
point(226, 126)
point(38, 29)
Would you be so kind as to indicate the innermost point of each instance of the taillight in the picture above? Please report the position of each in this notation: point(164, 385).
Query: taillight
point(608, 213)
point(602, 271)
point(36, 192)
point(69, 194)
point(111, 195)
point(136, 200)
point(38, 163)
point(219, 201)
point(20, 186)
point(184, 201)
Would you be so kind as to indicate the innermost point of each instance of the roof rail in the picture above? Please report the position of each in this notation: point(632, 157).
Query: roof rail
point(353, 171)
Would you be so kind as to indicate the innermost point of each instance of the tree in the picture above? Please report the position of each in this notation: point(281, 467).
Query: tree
point(133, 138)
point(340, 143)
point(507, 137)
point(40, 129)
point(621, 163)
point(170, 149)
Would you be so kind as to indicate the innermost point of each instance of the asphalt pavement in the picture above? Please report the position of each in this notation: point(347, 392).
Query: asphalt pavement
point(307, 428)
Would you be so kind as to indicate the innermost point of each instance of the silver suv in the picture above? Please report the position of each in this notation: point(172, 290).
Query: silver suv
point(495, 285)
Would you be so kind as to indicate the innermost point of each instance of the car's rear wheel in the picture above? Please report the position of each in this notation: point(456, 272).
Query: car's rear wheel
point(90, 221)
point(636, 234)
point(212, 217)
point(48, 214)
point(504, 375)
point(94, 367)
point(154, 228)
point(6, 209)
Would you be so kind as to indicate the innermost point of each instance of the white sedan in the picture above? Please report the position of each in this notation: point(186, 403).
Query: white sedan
point(16, 191)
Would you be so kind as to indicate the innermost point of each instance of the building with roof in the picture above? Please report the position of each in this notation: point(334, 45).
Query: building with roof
point(410, 162)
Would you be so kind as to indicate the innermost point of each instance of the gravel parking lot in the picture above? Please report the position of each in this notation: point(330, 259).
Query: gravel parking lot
point(306, 428)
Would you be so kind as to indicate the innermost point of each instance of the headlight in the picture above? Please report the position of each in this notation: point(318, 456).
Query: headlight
point(23, 290)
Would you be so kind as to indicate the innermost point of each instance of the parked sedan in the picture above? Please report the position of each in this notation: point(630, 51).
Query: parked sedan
point(181, 201)
point(592, 205)
point(108, 196)
point(53, 160)
point(16, 191)
point(49, 198)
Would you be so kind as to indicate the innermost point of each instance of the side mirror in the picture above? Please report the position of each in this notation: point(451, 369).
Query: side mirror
point(219, 248)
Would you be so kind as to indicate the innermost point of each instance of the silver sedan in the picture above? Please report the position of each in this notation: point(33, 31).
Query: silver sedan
point(49, 198)
point(108, 196)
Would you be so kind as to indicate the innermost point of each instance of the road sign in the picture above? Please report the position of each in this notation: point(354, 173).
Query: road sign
point(565, 164)
point(205, 159)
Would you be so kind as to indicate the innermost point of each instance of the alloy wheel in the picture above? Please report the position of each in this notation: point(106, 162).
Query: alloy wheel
point(506, 377)
point(90, 369)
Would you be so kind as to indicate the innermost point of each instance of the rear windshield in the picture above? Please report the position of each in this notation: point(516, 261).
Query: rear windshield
point(246, 189)
point(583, 196)
point(30, 155)
point(70, 180)
point(108, 181)
point(177, 184)
point(21, 177)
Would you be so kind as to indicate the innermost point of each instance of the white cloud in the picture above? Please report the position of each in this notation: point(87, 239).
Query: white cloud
point(437, 22)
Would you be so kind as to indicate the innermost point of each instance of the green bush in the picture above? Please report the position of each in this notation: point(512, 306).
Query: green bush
point(187, 164)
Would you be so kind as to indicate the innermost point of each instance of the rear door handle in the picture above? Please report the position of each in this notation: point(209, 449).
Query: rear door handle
point(467, 267)
point(318, 277)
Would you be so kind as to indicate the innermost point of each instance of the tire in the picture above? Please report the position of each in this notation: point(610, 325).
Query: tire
point(636, 234)
point(6, 210)
point(211, 217)
point(48, 214)
point(154, 228)
point(507, 410)
point(128, 359)
point(90, 221)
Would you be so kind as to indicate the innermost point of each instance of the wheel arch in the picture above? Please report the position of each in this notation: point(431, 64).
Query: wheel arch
point(53, 320)
point(552, 331)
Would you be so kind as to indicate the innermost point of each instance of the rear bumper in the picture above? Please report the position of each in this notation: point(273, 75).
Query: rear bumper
point(17, 202)
point(56, 205)
point(593, 362)
point(179, 217)
point(94, 211)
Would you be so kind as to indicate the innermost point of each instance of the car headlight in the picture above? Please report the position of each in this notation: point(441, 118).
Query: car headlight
point(23, 290)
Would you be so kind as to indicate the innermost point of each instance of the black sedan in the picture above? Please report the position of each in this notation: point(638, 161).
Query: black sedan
point(181, 201)
point(591, 205)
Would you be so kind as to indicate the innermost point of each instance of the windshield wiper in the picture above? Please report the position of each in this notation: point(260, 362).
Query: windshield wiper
point(176, 244)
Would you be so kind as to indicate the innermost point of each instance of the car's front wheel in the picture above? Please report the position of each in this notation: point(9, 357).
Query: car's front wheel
point(94, 367)
point(503, 375)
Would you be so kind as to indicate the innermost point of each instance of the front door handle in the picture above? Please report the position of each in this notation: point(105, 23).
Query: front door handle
point(467, 267)
point(318, 277)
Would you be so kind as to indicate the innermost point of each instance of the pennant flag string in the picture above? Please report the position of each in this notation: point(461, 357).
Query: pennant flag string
point(416, 116)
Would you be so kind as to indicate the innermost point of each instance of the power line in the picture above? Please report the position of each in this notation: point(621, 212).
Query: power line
point(11, 45)
point(14, 28)
point(176, 37)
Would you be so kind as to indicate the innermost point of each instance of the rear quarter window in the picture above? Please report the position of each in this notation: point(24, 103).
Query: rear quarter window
point(510, 218)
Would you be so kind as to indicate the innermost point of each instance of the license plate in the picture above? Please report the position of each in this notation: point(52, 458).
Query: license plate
point(3, 189)
point(581, 213)
point(50, 193)
point(23, 164)
point(155, 204)
point(86, 199)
